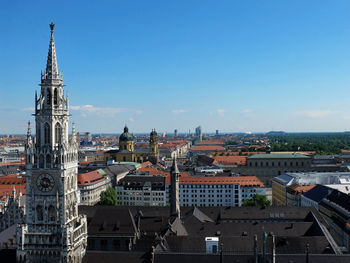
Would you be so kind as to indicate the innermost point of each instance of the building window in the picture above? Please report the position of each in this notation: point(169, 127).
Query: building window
point(39, 213)
point(55, 97)
point(41, 161)
point(48, 161)
point(47, 134)
point(58, 133)
point(52, 213)
point(48, 97)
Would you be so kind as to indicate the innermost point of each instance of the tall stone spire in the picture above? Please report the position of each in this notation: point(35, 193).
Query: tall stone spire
point(51, 65)
point(51, 175)
point(174, 190)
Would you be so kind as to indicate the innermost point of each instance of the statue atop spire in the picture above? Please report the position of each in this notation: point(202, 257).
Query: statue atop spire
point(52, 27)
point(51, 65)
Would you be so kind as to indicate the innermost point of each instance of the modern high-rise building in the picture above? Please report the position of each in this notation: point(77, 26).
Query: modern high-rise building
point(53, 231)
point(175, 133)
point(199, 133)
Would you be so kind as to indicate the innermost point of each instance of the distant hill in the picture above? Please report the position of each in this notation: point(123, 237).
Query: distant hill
point(276, 133)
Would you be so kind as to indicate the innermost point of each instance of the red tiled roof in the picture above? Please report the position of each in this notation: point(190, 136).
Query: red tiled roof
point(209, 148)
point(90, 178)
point(8, 189)
point(12, 163)
point(209, 142)
point(230, 160)
point(146, 164)
point(152, 171)
point(12, 179)
point(299, 189)
point(244, 181)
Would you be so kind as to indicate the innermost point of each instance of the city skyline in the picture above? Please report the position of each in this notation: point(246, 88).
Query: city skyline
point(236, 67)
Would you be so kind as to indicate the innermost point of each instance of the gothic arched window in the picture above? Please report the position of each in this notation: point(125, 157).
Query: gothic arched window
point(55, 97)
point(48, 97)
point(72, 183)
point(39, 213)
point(48, 161)
point(58, 133)
point(47, 134)
point(52, 213)
point(41, 161)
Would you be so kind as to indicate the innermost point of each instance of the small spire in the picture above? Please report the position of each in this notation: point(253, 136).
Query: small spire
point(174, 168)
point(51, 65)
point(126, 129)
point(14, 192)
point(52, 27)
point(29, 130)
point(73, 131)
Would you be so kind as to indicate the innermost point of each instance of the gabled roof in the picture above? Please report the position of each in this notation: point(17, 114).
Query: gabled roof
point(279, 156)
point(90, 178)
point(230, 160)
point(212, 148)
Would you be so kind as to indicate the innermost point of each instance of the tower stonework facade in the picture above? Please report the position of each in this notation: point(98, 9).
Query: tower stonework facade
point(153, 147)
point(174, 190)
point(52, 231)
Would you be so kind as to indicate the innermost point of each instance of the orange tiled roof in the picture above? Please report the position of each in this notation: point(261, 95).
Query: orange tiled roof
point(300, 189)
point(230, 160)
point(12, 179)
point(8, 189)
point(90, 178)
point(244, 181)
point(209, 142)
point(152, 171)
point(13, 163)
point(146, 164)
point(209, 148)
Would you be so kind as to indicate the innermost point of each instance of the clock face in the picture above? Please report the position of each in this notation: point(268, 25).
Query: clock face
point(45, 182)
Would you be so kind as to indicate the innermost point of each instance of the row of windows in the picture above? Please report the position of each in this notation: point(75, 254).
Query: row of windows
point(45, 161)
point(272, 164)
point(47, 133)
point(209, 186)
point(48, 96)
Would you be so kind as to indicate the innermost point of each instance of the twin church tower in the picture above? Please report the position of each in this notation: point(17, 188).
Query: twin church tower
point(53, 231)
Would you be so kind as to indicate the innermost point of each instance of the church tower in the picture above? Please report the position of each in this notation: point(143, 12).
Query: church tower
point(174, 190)
point(153, 147)
point(126, 141)
point(53, 231)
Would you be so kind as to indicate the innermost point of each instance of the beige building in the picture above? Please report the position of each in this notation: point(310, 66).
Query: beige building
point(91, 185)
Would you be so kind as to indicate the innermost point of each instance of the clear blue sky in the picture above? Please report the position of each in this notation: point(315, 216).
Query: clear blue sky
point(229, 65)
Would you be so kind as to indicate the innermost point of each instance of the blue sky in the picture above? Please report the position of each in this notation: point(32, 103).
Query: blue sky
point(235, 66)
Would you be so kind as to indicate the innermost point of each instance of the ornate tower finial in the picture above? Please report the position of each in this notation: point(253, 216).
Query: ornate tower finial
point(52, 27)
point(51, 65)
point(29, 130)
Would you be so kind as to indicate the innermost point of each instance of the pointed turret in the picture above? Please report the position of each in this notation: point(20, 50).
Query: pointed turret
point(51, 65)
point(28, 130)
point(29, 136)
point(174, 190)
point(14, 192)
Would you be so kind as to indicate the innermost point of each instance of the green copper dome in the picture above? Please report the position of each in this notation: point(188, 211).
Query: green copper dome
point(126, 136)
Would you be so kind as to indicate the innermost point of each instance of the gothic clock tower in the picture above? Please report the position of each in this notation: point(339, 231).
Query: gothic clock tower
point(53, 230)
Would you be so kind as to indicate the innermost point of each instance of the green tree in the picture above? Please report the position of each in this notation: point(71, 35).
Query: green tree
point(257, 200)
point(108, 197)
